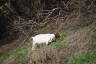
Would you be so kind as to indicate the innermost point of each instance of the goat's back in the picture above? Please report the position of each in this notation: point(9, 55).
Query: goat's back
point(43, 38)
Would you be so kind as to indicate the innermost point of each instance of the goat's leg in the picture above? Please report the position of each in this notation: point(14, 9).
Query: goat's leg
point(46, 43)
point(33, 46)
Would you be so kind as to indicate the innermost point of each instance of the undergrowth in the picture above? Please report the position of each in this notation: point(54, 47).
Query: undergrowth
point(8, 54)
point(59, 42)
point(83, 59)
point(20, 53)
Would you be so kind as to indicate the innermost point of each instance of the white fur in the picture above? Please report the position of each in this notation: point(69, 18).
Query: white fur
point(42, 38)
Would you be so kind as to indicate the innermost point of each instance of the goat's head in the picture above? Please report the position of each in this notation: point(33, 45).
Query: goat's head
point(57, 35)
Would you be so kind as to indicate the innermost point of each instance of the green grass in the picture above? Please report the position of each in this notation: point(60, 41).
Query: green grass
point(60, 43)
point(93, 34)
point(83, 59)
point(93, 31)
point(21, 54)
point(93, 44)
point(21, 58)
point(8, 54)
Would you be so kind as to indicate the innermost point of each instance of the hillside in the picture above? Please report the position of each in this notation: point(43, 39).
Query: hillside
point(75, 23)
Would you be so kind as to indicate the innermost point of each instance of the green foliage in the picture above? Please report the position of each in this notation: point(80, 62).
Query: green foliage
point(93, 44)
point(8, 54)
point(60, 43)
point(21, 55)
point(93, 31)
point(83, 59)
point(4, 10)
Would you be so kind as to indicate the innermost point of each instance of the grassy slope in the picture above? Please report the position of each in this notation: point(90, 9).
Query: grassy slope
point(83, 59)
point(18, 55)
point(21, 54)
point(86, 58)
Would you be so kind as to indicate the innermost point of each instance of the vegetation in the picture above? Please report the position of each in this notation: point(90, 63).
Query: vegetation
point(93, 44)
point(60, 43)
point(22, 19)
point(4, 10)
point(18, 54)
point(93, 31)
point(83, 59)
point(8, 54)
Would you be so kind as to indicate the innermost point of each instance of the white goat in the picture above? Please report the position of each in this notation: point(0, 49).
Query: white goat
point(42, 38)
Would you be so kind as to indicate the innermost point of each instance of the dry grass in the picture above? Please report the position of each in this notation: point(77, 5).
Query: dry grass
point(79, 40)
point(45, 55)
